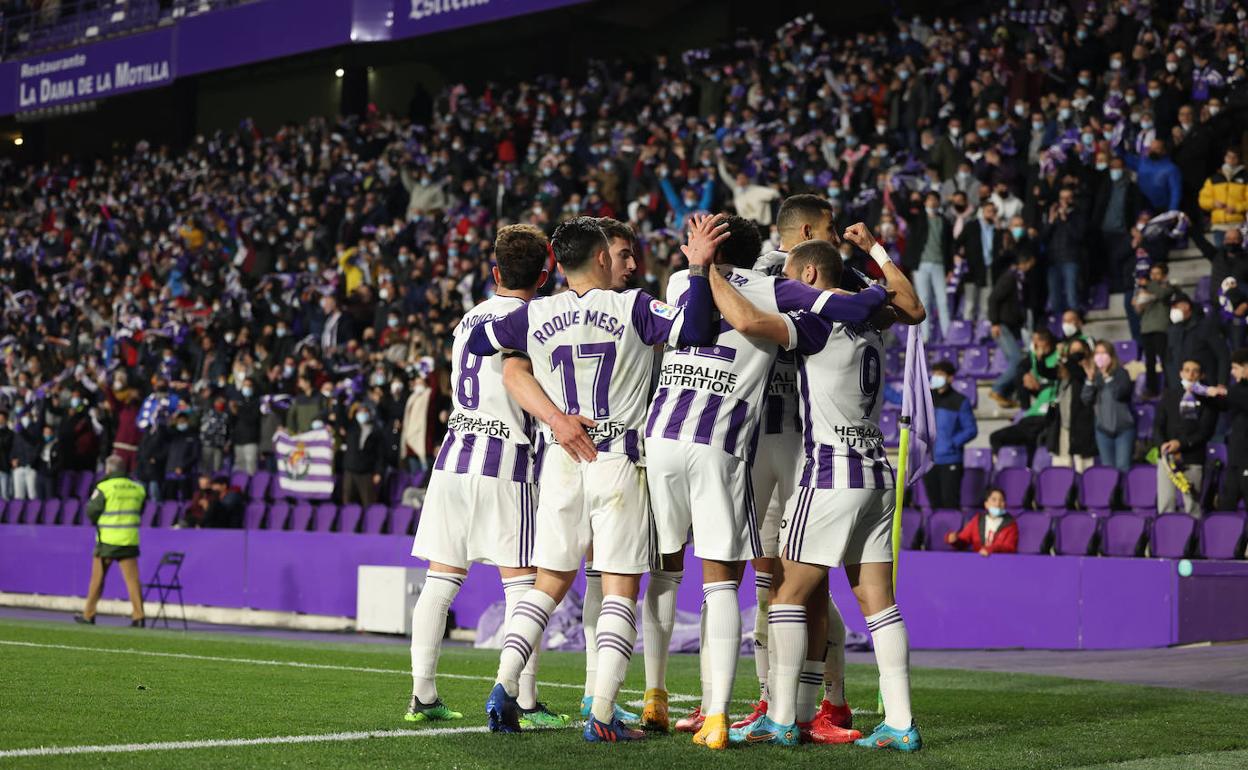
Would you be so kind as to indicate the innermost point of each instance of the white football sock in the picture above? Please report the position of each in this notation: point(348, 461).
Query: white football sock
point(428, 628)
point(658, 618)
point(762, 591)
point(589, 621)
point(704, 661)
point(834, 658)
point(723, 640)
point(788, 649)
point(808, 684)
point(892, 655)
point(617, 633)
point(514, 590)
point(524, 635)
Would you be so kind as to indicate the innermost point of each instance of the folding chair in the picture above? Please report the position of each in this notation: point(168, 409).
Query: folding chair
point(166, 585)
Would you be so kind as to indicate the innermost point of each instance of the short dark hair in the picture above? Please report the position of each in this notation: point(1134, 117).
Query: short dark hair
point(743, 244)
point(577, 240)
point(823, 255)
point(945, 366)
point(1240, 356)
point(805, 208)
point(1165, 269)
point(614, 228)
point(1045, 335)
point(990, 491)
point(520, 251)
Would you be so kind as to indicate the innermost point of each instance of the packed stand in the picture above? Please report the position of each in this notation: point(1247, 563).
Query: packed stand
point(180, 307)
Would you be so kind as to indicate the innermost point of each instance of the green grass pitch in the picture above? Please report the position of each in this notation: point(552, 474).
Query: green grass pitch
point(221, 686)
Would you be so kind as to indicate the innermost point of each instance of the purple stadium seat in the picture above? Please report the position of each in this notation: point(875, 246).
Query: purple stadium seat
point(279, 513)
point(1034, 532)
point(889, 428)
point(325, 516)
point(1128, 350)
point(373, 521)
point(938, 353)
point(51, 513)
point(253, 515)
point(1144, 415)
point(71, 510)
point(8, 511)
point(1075, 534)
point(969, 388)
point(258, 486)
point(1011, 457)
point(1217, 452)
point(911, 530)
point(1015, 483)
point(301, 517)
point(977, 362)
point(1041, 460)
point(961, 334)
point(977, 457)
point(1141, 388)
point(241, 480)
point(1098, 296)
point(939, 524)
point(397, 484)
point(1054, 487)
point(148, 516)
point(348, 518)
point(1172, 535)
point(1140, 491)
point(167, 516)
point(30, 512)
point(65, 484)
point(1222, 536)
point(918, 497)
point(997, 367)
point(1124, 535)
point(1097, 488)
point(974, 482)
point(83, 487)
point(1202, 294)
point(403, 519)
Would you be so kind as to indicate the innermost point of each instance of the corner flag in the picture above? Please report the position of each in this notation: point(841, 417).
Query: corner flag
point(918, 430)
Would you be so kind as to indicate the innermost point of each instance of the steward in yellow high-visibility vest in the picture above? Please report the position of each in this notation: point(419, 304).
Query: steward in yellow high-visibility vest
point(115, 509)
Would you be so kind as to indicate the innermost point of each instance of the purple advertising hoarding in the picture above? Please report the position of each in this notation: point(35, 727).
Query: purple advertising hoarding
point(95, 71)
point(232, 37)
point(423, 17)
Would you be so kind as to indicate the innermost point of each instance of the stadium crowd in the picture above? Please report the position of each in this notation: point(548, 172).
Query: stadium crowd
point(179, 306)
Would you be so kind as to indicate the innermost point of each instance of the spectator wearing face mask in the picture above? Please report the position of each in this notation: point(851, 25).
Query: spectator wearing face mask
point(955, 428)
point(1063, 232)
point(361, 459)
point(1108, 390)
point(752, 201)
point(78, 435)
point(1194, 336)
point(1116, 207)
point(1072, 329)
point(47, 463)
point(989, 531)
point(214, 435)
point(1229, 282)
point(1186, 421)
point(182, 459)
point(982, 245)
point(26, 443)
point(307, 407)
point(1152, 301)
point(6, 458)
point(1070, 434)
point(1038, 375)
point(1224, 196)
point(1233, 399)
point(1158, 177)
point(929, 256)
point(244, 427)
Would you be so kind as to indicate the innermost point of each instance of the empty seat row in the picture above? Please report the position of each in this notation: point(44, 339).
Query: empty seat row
point(50, 512)
point(1077, 533)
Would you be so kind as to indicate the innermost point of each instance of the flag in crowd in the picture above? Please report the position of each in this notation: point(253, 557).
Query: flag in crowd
point(305, 463)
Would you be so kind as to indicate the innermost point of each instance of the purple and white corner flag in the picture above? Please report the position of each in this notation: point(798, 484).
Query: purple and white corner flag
point(916, 403)
point(305, 463)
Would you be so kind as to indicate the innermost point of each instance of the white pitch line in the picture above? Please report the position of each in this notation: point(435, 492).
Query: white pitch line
point(127, 748)
point(678, 697)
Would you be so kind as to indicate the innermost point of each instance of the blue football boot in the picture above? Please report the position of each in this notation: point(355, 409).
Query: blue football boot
point(502, 711)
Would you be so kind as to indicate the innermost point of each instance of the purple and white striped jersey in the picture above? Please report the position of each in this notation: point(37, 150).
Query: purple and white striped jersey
point(488, 434)
point(780, 404)
point(712, 394)
point(592, 355)
point(839, 379)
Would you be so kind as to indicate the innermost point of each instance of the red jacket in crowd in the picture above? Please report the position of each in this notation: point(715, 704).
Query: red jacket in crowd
point(1004, 540)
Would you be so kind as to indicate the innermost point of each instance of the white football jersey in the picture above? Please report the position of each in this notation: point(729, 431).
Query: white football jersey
point(780, 405)
point(592, 355)
point(712, 394)
point(488, 433)
point(840, 379)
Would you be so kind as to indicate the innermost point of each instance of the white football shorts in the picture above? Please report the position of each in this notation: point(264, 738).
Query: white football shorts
point(706, 488)
point(834, 527)
point(777, 463)
point(469, 518)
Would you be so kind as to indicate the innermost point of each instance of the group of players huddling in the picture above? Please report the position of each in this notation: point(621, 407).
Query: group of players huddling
point(643, 460)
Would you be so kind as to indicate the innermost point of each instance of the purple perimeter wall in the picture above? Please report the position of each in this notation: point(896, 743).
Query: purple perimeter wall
point(950, 600)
